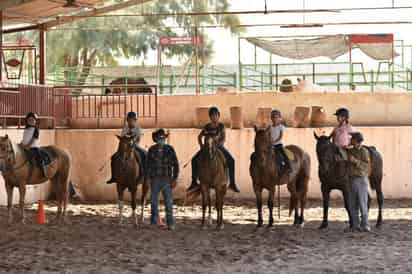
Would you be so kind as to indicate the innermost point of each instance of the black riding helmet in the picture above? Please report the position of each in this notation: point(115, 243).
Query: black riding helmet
point(131, 116)
point(344, 112)
point(159, 134)
point(275, 112)
point(214, 110)
point(357, 136)
point(31, 115)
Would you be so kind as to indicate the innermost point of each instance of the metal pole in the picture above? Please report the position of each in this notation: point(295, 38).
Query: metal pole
point(197, 61)
point(255, 57)
point(240, 66)
point(1, 45)
point(42, 53)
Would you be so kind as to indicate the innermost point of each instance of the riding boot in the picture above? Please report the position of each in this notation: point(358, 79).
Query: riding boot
point(111, 181)
point(43, 169)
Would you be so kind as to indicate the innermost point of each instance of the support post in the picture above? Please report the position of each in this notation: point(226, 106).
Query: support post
point(1, 45)
point(197, 60)
point(42, 53)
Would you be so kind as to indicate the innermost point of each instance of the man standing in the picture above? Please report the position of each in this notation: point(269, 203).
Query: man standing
point(358, 156)
point(162, 170)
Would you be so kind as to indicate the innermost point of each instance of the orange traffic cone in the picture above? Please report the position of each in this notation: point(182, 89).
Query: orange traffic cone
point(41, 216)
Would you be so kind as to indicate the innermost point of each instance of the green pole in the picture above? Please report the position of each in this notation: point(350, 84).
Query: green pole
point(255, 57)
point(171, 82)
point(270, 72)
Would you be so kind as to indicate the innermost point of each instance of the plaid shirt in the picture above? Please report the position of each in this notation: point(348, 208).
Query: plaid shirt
point(161, 161)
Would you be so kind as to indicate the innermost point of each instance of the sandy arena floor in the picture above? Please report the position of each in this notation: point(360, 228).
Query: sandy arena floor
point(93, 242)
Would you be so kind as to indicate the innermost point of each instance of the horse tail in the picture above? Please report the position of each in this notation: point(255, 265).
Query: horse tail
point(192, 196)
point(376, 162)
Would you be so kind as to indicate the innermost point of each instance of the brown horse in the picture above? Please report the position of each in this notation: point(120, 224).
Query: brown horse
point(126, 173)
point(142, 88)
point(18, 172)
point(265, 175)
point(212, 175)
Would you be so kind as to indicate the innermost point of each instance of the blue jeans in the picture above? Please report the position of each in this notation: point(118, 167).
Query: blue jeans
point(161, 185)
point(359, 201)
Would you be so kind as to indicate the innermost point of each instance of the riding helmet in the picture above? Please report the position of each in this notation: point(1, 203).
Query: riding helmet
point(344, 112)
point(159, 134)
point(213, 111)
point(31, 115)
point(357, 136)
point(275, 112)
point(131, 116)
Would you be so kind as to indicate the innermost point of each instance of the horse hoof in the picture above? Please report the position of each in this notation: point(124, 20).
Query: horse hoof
point(204, 227)
point(220, 227)
point(378, 226)
point(302, 225)
point(323, 226)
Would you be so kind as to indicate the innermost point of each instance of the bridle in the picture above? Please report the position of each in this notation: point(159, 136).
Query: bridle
point(10, 159)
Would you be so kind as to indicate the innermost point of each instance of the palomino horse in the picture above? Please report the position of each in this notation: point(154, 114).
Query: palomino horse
point(126, 173)
point(19, 172)
point(265, 175)
point(212, 174)
point(333, 174)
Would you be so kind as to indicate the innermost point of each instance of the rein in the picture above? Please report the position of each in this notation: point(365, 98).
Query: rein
point(11, 159)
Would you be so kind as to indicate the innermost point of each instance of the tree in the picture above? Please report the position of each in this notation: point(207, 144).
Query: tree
point(92, 42)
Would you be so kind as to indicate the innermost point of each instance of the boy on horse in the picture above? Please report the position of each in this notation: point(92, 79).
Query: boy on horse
point(162, 170)
point(216, 130)
point(132, 129)
point(276, 133)
point(31, 139)
point(341, 134)
point(358, 156)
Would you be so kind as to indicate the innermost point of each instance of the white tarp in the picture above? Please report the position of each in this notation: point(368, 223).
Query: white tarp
point(330, 46)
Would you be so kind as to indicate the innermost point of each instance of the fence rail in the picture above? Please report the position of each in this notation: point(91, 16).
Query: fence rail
point(64, 103)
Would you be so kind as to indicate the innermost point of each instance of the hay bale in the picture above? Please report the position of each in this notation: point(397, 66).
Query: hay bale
point(318, 117)
point(263, 117)
point(302, 117)
point(202, 116)
point(286, 86)
point(236, 117)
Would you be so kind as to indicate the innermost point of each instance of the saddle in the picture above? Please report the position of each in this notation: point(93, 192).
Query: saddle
point(47, 156)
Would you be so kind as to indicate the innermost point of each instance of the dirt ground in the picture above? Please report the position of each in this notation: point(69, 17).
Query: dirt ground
point(93, 242)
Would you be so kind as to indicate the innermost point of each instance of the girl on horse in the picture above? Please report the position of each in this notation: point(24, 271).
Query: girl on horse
point(216, 130)
point(341, 134)
point(31, 139)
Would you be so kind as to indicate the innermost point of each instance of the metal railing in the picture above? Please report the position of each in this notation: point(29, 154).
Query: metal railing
point(99, 106)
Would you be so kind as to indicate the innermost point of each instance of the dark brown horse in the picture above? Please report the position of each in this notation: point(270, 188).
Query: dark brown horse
point(212, 175)
point(333, 174)
point(18, 171)
point(142, 88)
point(265, 175)
point(126, 173)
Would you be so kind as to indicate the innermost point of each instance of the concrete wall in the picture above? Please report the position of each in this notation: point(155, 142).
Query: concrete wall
point(36, 192)
point(178, 111)
point(91, 151)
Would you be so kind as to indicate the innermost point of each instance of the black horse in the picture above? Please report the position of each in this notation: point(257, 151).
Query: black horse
point(333, 174)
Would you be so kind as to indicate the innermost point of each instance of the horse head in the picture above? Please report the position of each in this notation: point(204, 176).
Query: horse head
point(325, 151)
point(6, 152)
point(126, 146)
point(210, 146)
point(262, 142)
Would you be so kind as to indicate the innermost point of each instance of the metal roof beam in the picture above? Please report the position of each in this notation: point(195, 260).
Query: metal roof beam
point(5, 4)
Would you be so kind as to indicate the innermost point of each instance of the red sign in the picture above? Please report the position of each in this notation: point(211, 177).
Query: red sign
point(190, 40)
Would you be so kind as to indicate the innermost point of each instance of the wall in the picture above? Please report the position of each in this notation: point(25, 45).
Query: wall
point(36, 192)
point(91, 151)
point(178, 111)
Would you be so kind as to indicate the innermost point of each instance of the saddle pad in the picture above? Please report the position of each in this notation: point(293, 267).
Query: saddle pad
point(289, 154)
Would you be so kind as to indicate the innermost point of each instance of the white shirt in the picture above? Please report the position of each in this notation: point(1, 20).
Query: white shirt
point(275, 132)
point(28, 134)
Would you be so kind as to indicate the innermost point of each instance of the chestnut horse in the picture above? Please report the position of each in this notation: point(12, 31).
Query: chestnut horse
point(18, 172)
point(265, 175)
point(212, 175)
point(126, 174)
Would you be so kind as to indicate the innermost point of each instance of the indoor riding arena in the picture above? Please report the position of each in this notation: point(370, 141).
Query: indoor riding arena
point(305, 102)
